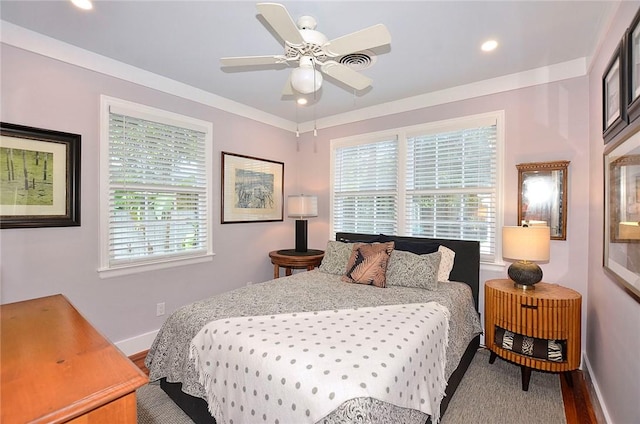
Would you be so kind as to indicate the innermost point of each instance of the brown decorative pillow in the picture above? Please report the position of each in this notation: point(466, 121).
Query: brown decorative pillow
point(368, 263)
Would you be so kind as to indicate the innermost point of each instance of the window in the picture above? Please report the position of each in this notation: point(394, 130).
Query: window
point(439, 180)
point(156, 194)
point(365, 185)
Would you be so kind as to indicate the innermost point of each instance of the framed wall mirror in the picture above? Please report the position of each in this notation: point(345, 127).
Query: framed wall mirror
point(622, 212)
point(542, 199)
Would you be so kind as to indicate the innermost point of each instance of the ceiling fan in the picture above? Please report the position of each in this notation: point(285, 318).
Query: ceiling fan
point(311, 50)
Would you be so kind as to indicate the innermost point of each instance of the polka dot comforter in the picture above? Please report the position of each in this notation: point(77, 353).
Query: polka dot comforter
point(297, 368)
point(169, 355)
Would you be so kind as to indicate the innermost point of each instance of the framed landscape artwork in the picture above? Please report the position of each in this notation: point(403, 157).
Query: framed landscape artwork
point(39, 177)
point(252, 189)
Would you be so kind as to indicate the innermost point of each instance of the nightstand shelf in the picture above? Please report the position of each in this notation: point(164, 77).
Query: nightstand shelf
point(550, 312)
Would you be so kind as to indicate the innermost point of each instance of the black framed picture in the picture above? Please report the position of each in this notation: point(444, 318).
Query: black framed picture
point(614, 109)
point(633, 68)
point(40, 177)
point(252, 189)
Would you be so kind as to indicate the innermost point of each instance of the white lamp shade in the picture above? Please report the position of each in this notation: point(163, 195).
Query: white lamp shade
point(526, 243)
point(301, 206)
point(306, 80)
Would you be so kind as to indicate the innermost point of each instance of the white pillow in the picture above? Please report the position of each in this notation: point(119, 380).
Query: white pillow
point(446, 263)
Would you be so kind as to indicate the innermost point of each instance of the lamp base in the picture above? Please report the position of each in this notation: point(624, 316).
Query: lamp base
point(301, 235)
point(525, 274)
point(523, 286)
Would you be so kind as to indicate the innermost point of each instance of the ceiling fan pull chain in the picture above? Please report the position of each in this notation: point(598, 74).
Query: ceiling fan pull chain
point(297, 130)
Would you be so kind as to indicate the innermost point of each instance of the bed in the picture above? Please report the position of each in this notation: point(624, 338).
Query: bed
point(177, 356)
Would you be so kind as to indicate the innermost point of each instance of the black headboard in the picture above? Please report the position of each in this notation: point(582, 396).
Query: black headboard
point(466, 266)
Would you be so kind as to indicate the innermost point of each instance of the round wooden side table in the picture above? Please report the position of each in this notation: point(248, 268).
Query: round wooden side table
point(549, 312)
point(290, 259)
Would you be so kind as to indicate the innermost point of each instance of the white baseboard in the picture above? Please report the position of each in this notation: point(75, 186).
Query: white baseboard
point(592, 378)
point(137, 344)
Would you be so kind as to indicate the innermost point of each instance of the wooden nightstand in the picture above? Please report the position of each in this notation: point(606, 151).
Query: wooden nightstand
point(549, 312)
point(290, 259)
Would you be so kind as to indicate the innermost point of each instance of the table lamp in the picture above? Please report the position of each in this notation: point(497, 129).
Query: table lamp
point(526, 245)
point(300, 207)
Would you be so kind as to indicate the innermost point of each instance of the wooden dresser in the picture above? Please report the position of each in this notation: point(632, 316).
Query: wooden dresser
point(57, 368)
point(548, 312)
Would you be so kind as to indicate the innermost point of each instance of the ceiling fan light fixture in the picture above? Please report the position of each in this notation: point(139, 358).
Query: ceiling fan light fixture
point(306, 80)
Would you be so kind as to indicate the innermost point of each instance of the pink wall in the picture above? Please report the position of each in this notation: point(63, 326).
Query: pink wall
point(45, 93)
point(613, 337)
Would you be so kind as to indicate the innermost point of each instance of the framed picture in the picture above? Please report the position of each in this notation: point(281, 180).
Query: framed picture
point(252, 189)
point(613, 104)
point(633, 68)
point(543, 196)
point(39, 177)
point(622, 212)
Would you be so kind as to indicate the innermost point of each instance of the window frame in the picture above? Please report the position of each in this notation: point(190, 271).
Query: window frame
point(106, 270)
point(402, 133)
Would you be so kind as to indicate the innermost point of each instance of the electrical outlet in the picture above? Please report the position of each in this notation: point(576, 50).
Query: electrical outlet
point(160, 309)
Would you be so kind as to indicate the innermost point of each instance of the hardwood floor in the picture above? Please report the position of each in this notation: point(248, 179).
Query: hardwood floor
point(138, 359)
point(577, 405)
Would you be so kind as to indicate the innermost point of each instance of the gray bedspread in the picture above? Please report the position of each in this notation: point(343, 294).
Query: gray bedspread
point(308, 291)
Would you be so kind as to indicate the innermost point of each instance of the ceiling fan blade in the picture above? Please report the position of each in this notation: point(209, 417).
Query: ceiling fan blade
point(252, 60)
point(346, 75)
point(367, 38)
point(281, 22)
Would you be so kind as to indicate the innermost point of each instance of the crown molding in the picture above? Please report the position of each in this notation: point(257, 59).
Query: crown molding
point(25, 39)
point(544, 75)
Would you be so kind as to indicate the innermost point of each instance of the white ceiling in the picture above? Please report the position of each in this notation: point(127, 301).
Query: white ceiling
point(435, 44)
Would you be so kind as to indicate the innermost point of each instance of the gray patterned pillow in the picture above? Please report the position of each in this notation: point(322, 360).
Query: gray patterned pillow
point(336, 257)
point(407, 269)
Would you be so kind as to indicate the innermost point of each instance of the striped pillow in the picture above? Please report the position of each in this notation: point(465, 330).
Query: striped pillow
point(550, 350)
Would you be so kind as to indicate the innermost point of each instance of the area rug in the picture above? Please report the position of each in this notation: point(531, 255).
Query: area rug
point(492, 393)
point(488, 393)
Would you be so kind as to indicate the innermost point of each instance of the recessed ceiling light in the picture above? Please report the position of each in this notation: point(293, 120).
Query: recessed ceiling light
point(83, 4)
point(302, 101)
point(489, 45)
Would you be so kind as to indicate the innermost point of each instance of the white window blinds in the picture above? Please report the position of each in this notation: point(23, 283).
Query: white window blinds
point(451, 186)
point(365, 188)
point(158, 190)
point(438, 180)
